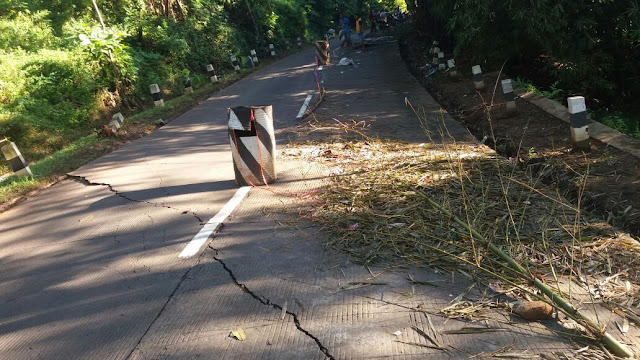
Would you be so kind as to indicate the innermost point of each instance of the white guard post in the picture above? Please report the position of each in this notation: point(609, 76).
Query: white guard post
point(188, 86)
point(116, 122)
point(15, 159)
point(509, 97)
point(156, 95)
point(478, 81)
point(453, 71)
point(434, 59)
point(579, 123)
point(234, 62)
point(441, 63)
point(273, 49)
point(211, 73)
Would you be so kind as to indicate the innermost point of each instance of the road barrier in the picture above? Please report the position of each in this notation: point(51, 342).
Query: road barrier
point(478, 80)
point(579, 123)
point(15, 159)
point(253, 144)
point(156, 95)
point(211, 73)
point(323, 52)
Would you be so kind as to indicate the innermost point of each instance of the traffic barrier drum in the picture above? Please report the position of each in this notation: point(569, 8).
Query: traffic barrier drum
point(253, 144)
point(323, 52)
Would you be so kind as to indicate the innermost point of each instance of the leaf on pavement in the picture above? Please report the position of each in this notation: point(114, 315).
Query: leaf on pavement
point(238, 334)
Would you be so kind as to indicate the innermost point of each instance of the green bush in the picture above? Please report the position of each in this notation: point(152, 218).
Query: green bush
point(586, 47)
point(30, 32)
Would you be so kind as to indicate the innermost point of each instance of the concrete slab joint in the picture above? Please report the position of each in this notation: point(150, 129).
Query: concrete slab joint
point(264, 301)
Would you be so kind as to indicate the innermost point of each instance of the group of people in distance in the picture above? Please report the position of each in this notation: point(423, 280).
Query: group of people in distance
point(345, 31)
point(376, 20)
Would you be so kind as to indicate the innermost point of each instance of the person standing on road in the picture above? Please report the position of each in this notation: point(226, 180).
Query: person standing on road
point(372, 20)
point(360, 30)
point(346, 31)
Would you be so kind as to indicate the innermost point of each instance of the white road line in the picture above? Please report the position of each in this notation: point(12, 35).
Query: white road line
point(304, 107)
point(213, 225)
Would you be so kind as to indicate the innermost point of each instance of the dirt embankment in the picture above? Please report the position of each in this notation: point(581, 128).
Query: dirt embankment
point(604, 181)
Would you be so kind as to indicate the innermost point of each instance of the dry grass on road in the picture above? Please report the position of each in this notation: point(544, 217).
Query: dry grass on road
point(376, 210)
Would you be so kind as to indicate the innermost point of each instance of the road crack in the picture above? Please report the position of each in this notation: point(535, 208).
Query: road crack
point(84, 181)
point(264, 301)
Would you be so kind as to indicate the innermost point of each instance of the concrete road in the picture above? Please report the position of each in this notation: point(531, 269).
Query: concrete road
point(88, 265)
point(89, 269)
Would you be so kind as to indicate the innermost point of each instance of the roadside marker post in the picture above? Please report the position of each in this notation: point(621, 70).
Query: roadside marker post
point(272, 49)
point(478, 80)
point(116, 122)
point(441, 64)
point(156, 95)
point(433, 47)
point(434, 60)
point(188, 86)
point(509, 97)
point(299, 42)
point(234, 63)
point(453, 71)
point(253, 56)
point(15, 159)
point(211, 73)
point(579, 123)
point(253, 144)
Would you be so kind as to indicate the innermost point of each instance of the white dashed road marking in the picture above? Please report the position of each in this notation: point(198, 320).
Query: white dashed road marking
point(213, 225)
point(304, 107)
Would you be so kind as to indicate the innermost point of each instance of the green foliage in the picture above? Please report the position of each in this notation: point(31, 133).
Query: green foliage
point(623, 121)
point(26, 31)
point(587, 47)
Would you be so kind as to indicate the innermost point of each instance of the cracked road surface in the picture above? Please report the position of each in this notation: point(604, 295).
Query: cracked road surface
point(88, 265)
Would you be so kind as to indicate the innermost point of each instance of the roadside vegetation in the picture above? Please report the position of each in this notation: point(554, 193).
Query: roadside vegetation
point(564, 47)
point(67, 66)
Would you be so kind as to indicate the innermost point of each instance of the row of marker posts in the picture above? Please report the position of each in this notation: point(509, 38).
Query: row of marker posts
point(579, 123)
point(156, 94)
point(249, 164)
point(211, 74)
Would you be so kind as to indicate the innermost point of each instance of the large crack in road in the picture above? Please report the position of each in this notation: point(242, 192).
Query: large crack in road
point(84, 181)
point(264, 301)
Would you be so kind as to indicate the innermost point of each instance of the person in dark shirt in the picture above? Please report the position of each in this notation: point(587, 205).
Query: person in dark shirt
point(346, 31)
